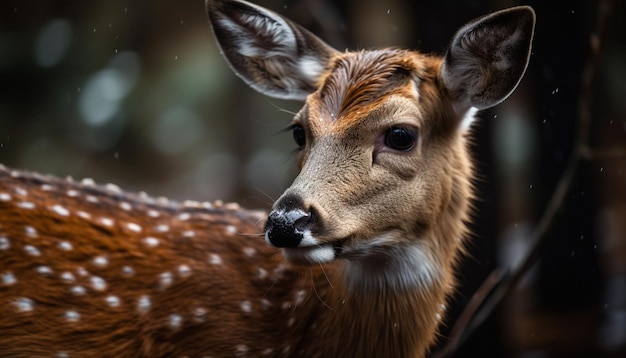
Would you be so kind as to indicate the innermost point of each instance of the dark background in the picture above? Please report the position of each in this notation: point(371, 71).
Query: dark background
point(136, 93)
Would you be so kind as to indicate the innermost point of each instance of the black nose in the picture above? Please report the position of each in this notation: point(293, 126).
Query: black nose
point(287, 223)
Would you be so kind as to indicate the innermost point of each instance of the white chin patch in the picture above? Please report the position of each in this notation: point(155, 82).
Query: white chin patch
point(311, 255)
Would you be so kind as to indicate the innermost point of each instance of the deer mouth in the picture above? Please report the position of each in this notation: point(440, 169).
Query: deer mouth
point(314, 254)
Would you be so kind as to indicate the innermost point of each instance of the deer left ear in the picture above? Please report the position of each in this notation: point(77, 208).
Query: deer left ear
point(488, 57)
point(270, 53)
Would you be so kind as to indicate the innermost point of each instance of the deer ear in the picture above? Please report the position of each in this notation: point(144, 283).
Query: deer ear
point(488, 57)
point(271, 54)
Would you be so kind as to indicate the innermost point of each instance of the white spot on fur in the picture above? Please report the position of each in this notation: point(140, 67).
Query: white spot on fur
point(101, 261)
point(78, 290)
point(88, 182)
point(112, 301)
point(189, 233)
point(162, 228)
point(249, 251)
point(126, 206)
point(153, 213)
point(215, 259)
point(25, 205)
point(58, 209)
point(267, 352)
point(246, 306)
point(8, 279)
point(65, 246)
point(133, 227)
point(241, 350)
point(81, 271)
point(144, 304)
point(4, 243)
point(46, 187)
point(113, 188)
point(44, 270)
point(32, 250)
point(83, 215)
point(175, 321)
point(199, 314)
point(265, 303)
point(165, 280)
point(128, 271)
point(279, 270)
point(300, 297)
point(231, 230)
point(98, 283)
point(92, 199)
point(72, 316)
point(72, 193)
point(261, 273)
point(68, 276)
point(62, 354)
point(184, 270)
point(184, 216)
point(30, 231)
point(5, 197)
point(19, 191)
point(151, 241)
point(24, 304)
point(106, 222)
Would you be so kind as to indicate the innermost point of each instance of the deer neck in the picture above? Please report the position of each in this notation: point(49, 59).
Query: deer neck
point(398, 294)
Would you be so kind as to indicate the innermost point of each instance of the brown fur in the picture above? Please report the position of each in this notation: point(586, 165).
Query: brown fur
point(253, 304)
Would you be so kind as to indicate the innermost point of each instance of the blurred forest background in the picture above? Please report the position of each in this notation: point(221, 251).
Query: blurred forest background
point(136, 93)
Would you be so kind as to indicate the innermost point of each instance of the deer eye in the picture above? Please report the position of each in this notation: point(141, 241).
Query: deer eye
point(401, 138)
point(299, 136)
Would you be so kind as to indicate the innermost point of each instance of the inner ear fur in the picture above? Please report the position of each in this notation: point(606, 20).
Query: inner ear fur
point(488, 57)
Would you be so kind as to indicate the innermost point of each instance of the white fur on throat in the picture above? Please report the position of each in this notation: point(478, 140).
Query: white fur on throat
point(397, 268)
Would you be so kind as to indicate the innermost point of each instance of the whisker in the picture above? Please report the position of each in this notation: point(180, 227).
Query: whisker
point(272, 200)
point(284, 110)
point(317, 293)
point(270, 288)
point(251, 235)
point(325, 275)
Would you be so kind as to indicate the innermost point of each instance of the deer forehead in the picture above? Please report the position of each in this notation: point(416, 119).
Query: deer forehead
point(368, 87)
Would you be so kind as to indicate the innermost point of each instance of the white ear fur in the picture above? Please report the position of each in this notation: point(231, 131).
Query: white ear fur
point(270, 53)
point(488, 57)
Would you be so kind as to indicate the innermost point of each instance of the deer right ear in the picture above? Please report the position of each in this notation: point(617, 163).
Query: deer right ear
point(270, 53)
point(488, 57)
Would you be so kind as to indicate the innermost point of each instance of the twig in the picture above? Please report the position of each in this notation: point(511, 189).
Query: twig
point(604, 153)
point(480, 308)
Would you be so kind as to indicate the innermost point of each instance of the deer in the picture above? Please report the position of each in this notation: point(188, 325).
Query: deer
point(357, 258)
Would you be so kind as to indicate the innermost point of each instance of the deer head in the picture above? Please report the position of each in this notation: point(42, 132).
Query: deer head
point(384, 172)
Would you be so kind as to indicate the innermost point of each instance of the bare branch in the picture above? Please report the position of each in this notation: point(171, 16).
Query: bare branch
point(604, 153)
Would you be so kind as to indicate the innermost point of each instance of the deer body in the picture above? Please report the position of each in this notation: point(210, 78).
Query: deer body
point(90, 271)
point(369, 231)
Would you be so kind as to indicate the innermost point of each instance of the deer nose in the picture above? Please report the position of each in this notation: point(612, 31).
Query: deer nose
point(288, 222)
